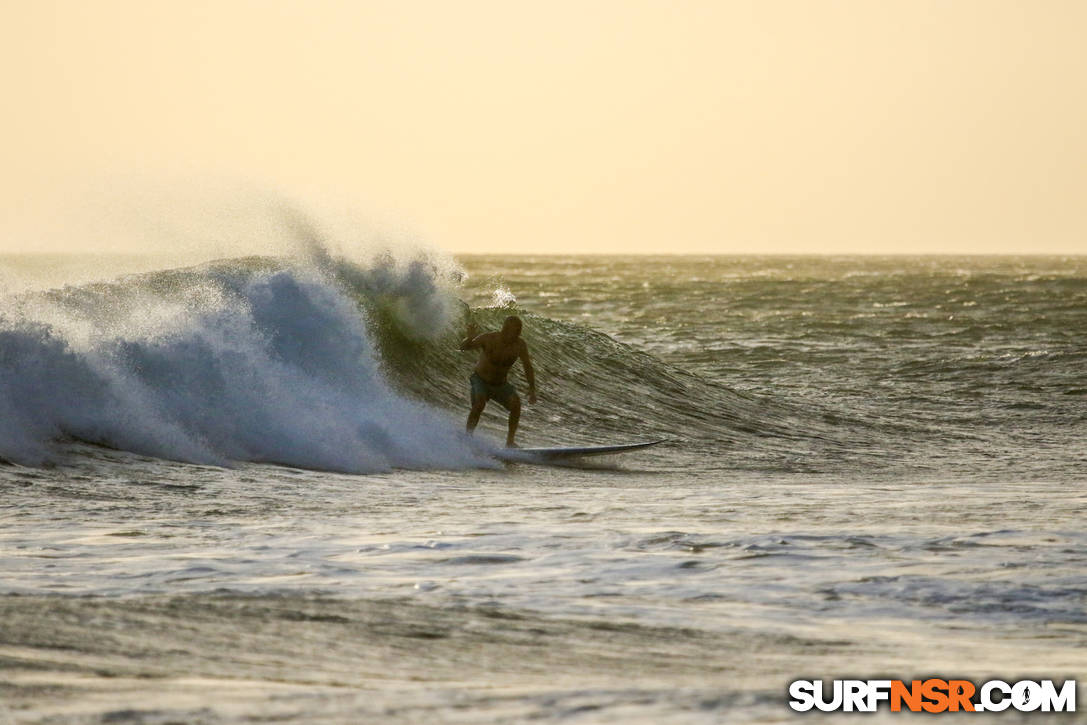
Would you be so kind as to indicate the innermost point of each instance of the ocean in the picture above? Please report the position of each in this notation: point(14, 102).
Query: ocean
point(241, 491)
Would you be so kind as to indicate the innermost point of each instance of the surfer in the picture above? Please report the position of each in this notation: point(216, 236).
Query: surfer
point(498, 351)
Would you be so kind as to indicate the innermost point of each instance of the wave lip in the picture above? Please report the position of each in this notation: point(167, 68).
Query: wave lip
point(213, 365)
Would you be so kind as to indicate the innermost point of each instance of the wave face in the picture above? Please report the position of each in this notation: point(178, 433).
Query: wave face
point(339, 366)
point(250, 360)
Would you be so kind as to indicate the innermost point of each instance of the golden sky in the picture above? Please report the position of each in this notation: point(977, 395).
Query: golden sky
point(798, 126)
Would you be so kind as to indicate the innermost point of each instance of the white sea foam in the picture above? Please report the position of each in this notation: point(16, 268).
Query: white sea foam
point(223, 364)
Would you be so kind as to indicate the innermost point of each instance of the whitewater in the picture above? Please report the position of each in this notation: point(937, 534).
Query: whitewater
point(240, 490)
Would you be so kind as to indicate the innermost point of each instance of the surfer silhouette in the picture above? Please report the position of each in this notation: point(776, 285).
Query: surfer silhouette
point(498, 351)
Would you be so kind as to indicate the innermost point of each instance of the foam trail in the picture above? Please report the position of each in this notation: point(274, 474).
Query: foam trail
point(242, 362)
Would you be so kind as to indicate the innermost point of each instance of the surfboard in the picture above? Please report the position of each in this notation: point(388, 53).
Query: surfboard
point(542, 455)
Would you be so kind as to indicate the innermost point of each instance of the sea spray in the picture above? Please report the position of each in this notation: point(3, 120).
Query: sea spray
point(243, 361)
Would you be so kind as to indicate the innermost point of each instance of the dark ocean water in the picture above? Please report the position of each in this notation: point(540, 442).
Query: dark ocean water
point(246, 483)
point(958, 366)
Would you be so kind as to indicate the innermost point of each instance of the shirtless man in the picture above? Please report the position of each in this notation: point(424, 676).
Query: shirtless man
point(498, 351)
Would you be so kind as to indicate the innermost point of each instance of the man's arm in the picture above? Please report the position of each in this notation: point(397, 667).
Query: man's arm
point(472, 341)
point(530, 372)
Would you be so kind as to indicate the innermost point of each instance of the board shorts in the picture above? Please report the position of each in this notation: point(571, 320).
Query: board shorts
point(501, 394)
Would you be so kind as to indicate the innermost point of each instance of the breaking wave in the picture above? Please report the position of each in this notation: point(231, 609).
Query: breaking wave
point(246, 360)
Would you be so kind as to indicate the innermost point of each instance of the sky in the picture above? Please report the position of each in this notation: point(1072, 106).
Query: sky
point(627, 126)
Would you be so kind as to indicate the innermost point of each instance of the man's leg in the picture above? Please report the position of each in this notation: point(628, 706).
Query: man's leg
point(478, 404)
point(514, 407)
